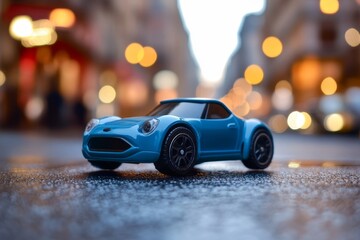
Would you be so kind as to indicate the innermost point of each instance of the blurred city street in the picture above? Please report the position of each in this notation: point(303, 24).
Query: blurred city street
point(48, 191)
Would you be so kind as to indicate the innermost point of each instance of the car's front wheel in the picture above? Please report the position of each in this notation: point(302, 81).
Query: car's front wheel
point(178, 154)
point(261, 150)
point(105, 165)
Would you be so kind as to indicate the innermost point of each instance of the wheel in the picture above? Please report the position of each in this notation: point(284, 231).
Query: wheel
point(178, 153)
point(105, 165)
point(261, 150)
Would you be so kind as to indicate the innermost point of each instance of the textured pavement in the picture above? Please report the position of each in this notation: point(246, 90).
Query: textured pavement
point(48, 191)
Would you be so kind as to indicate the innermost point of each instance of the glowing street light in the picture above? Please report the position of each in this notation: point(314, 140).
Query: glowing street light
point(272, 47)
point(21, 26)
point(329, 6)
point(107, 94)
point(254, 74)
point(328, 86)
point(134, 53)
point(62, 17)
point(352, 37)
point(149, 57)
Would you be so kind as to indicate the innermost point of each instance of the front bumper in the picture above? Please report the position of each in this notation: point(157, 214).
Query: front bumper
point(141, 148)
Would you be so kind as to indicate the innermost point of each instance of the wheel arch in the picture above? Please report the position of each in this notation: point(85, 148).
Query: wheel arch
point(250, 127)
point(186, 125)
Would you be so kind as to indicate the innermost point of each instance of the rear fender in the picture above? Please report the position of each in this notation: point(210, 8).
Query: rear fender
point(250, 126)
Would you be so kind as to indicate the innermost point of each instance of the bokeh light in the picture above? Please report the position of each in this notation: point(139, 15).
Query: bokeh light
point(149, 58)
point(255, 100)
point(62, 17)
point(242, 110)
point(328, 86)
point(2, 78)
point(272, 47)
point(21, 26)
point(282, 99)
point(165, 79)
point(278, 123)
point(334, 122)
point(134, 53)
point(296, 120)
point(254, 74)
point(307, 122)
point(329, 6)
point(294, 164)
point(34, 108)
point(352, 37)
point(107, 94)
point(241, 87)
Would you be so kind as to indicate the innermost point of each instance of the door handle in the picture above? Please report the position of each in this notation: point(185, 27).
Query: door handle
point(231, 125)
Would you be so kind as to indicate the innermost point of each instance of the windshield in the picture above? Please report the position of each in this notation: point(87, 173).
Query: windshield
point(180, 109)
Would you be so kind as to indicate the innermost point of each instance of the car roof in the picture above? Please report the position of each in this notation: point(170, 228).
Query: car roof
point(194, 100)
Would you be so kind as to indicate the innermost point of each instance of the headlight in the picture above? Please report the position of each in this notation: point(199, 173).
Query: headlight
point(149, 125)
point(91, 125)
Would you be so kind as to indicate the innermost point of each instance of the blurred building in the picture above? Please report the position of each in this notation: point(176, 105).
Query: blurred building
point(79, 61)
point(309, 54)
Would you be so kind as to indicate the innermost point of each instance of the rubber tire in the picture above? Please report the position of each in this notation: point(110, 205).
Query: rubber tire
point(252, 162)
point(166, 164)
point(105, 165)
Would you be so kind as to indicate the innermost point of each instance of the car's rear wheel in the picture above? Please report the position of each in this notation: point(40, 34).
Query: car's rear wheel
point(261, 150)
point(178, 154)
point(105, 165)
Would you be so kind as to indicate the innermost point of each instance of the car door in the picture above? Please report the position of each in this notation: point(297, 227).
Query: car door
point(219, 129)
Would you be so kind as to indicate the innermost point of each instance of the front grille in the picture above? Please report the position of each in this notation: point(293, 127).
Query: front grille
point(108, 144)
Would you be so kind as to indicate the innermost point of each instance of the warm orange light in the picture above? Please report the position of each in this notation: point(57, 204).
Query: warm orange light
point(278, 123)
point(329, 6)
point(241, 87)
point(107, 94)
point(2, 78)
point(62, 17)
point(254, 74)
point(328, 86)
point(272, 47)
point(134, 53)
point(149, 58)
point(307, 74)
point(255, 100)
point(242, 110)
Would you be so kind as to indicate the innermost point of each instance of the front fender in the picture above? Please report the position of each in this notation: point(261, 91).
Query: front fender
point(250, 126)
point(167, 123)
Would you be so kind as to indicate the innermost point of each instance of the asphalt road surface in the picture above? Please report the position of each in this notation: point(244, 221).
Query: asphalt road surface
point(311, 191)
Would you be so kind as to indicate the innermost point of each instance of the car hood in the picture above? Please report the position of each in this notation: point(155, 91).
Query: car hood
point(124, 122)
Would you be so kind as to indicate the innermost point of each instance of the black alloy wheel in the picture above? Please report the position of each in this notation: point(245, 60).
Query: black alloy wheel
point(261, 151)
point(178, 154)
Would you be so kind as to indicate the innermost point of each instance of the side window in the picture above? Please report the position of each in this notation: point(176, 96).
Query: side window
point(216, 111)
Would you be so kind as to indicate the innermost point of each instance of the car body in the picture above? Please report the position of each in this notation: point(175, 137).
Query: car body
point(176, 135)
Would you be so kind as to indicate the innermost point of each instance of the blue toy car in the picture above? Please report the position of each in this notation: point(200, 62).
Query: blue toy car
point(176, 135)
